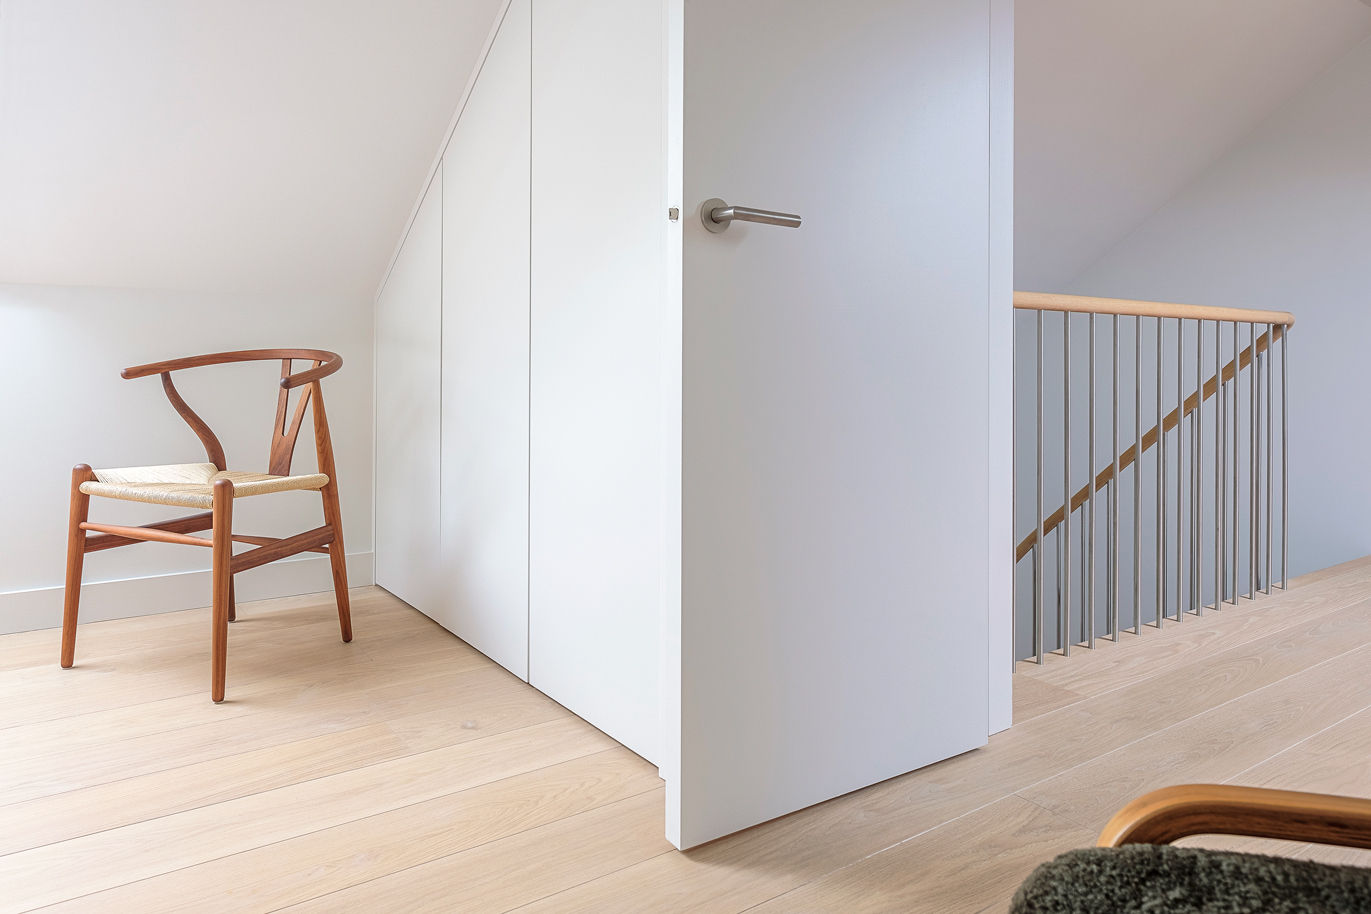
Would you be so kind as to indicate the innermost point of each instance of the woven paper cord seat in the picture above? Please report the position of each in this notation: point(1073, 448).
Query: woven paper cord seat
point(190, 485)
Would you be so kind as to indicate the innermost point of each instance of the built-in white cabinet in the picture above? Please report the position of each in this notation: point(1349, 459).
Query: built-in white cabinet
point(541, 298)
point(721, 493)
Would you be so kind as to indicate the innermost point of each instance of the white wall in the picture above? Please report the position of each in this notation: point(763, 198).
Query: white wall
point(1120, 104)
point(61, 350)
point(1280, 221)
point(244, 146)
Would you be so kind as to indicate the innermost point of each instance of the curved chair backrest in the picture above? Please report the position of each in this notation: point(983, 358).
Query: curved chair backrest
point(287, 428)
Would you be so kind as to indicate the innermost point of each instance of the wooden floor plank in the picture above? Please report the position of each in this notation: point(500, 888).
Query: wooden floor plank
point(517, 870)
point(1114, 664)
point(303, 707)
point(333, 859)
point(1033, 697)
point(964, 865)
point(1208, 747)
point(36, 694)
point(497, 701)
point(100, 642)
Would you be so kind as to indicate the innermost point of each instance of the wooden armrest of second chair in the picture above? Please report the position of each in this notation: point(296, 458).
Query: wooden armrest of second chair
point(1172, 813)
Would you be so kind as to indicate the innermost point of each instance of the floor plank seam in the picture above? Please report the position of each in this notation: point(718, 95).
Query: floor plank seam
point(1296, 744)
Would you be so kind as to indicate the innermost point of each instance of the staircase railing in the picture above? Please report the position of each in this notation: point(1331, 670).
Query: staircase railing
point(1199, 360)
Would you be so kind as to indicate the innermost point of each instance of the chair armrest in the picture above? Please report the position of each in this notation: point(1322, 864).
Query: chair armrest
point(1166, 815)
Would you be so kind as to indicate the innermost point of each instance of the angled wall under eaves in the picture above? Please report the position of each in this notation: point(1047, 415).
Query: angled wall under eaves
point(253, 146)
point(1119, 105)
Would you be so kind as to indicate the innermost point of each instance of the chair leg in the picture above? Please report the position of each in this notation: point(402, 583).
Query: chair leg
point(337, 557)
point(222, 576)
point(233, 602)
point(76, 557)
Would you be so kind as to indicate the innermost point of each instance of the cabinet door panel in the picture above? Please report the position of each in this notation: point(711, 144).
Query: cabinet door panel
point(408, 368)
point(485, 338)
point(599, 217)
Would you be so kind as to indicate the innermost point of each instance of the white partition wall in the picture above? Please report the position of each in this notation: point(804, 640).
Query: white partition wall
point(485, 334)
point(599, 219)
point(408, 375)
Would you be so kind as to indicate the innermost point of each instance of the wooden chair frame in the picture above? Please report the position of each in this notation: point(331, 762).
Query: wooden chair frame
point(1172, 813)
point(326, 539)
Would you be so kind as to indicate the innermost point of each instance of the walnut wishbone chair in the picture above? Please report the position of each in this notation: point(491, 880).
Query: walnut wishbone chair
point(212, 487)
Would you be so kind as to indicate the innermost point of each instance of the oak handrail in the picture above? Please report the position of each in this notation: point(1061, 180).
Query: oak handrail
point(1172, 813)
point(1149, 438)
point(1084, 304)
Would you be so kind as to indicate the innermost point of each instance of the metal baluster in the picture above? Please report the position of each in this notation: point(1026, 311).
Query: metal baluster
point(1237, 462)
point(1014, 501)
point(1270, 354)
point(1180, 459)
point(1038, 518)
point(1137, 475)
point(1114, 488)
point(1057, 533)
point(1285, 476)
point(1218, 466)
point(1089, 604)
point(1197, 479)
point(1084, 602)
point(1252, 520)
point(1161, 488)
point(1064, 614)
point(1257, 515)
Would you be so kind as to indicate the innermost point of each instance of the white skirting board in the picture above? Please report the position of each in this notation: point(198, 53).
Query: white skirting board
point(27, 610)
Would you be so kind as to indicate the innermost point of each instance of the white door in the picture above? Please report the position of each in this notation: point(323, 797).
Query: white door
point(834, 509)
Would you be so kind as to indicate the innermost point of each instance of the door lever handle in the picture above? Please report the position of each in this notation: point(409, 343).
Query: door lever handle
point(717, 216)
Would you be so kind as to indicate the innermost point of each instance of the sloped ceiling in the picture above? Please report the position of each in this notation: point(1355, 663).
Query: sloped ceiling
point(272, 145)
point(1118, 105)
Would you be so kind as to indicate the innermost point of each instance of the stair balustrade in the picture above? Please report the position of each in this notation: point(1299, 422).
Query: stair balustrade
point(1173, 510)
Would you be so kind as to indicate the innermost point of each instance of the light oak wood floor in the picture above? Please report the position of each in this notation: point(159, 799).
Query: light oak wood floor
point(405, 772)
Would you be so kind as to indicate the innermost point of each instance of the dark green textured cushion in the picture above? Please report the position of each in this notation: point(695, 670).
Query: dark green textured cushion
point(1160, 879)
